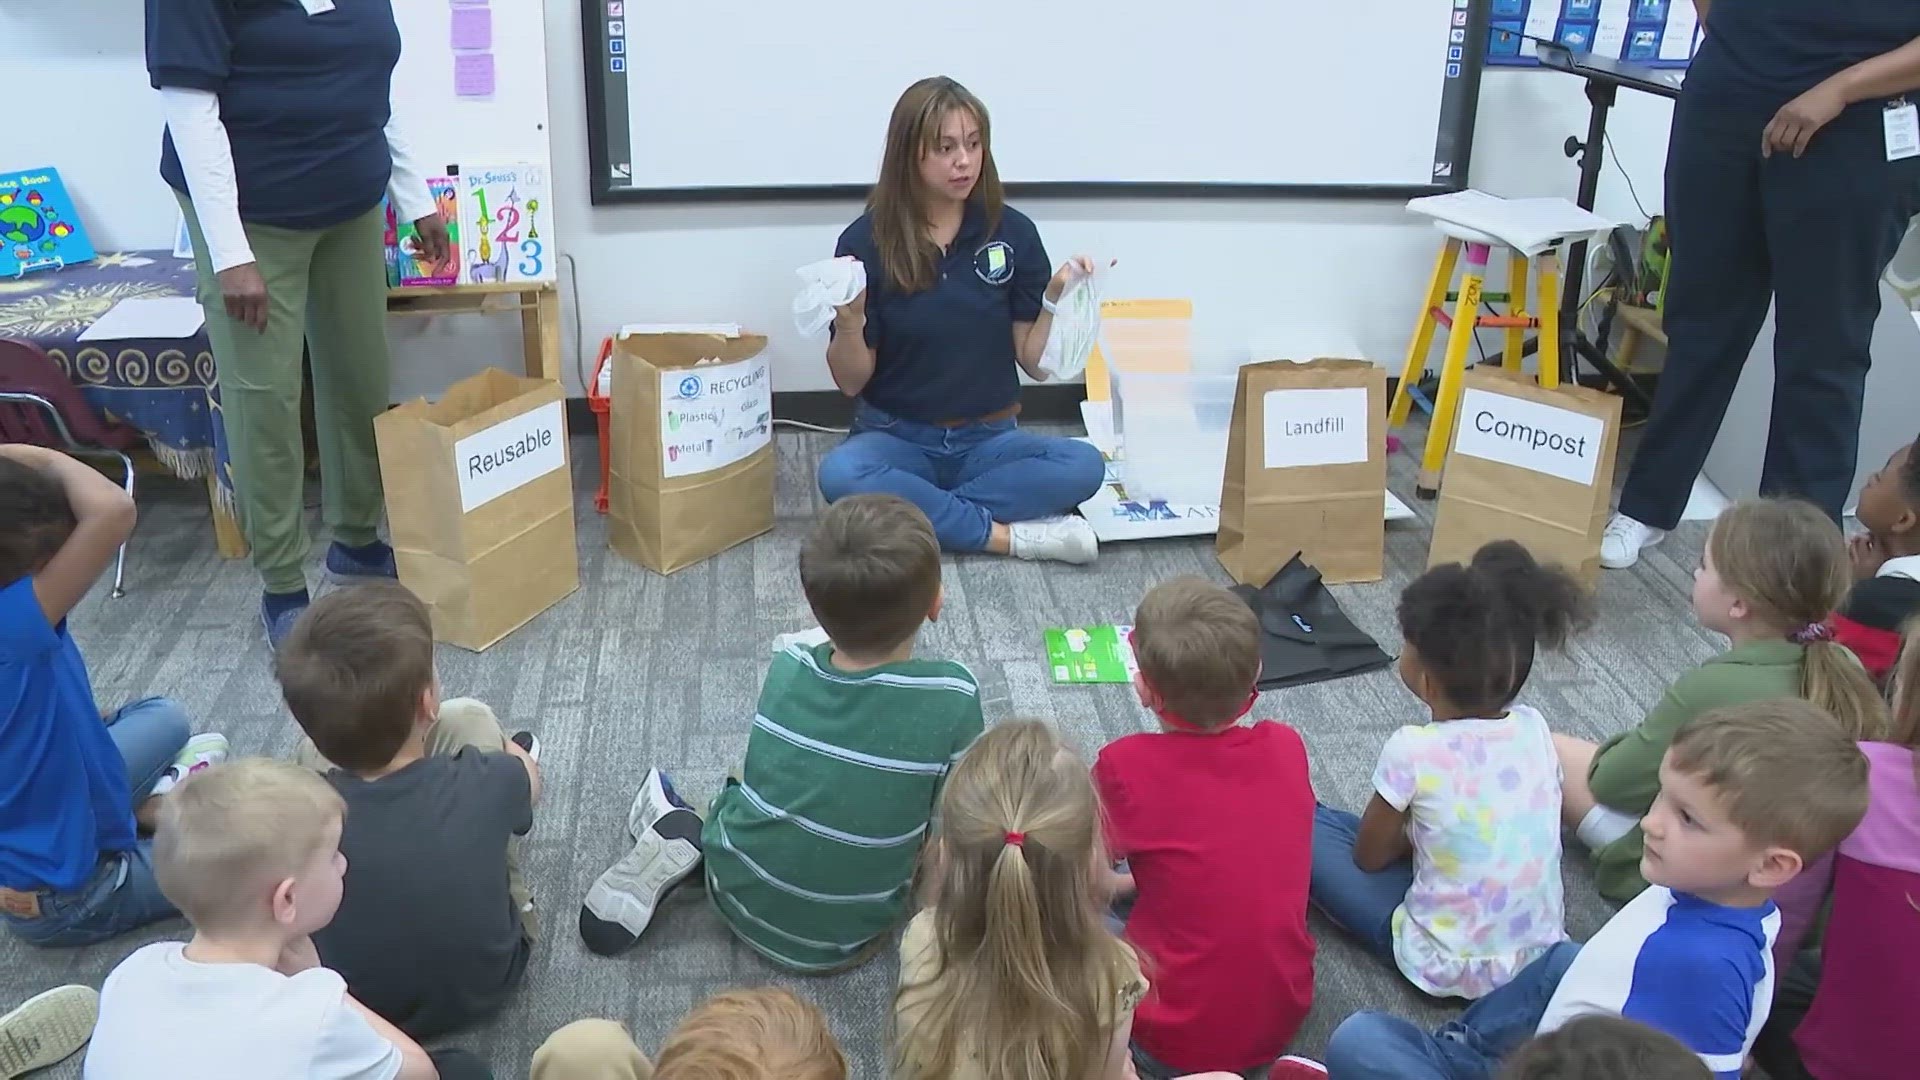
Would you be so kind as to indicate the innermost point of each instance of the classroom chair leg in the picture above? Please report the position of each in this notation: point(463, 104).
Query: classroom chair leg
point(1452, 373)
point(1550, 319)
point(1512, 356)
point(1422, 342)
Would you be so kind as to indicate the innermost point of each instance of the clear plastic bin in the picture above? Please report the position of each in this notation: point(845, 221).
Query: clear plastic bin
point(1172, 429)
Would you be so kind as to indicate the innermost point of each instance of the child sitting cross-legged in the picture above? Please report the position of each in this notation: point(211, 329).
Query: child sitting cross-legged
point(1749, 795)
point(1453, 872)
point(436, 924)
point(1215, 822)
point(1772, 573)
point(250, 851)
point(810, 850)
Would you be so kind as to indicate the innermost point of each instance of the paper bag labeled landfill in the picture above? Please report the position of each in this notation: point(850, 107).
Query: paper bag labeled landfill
point(1528, 464)
point(480, 503)
point(691, 465)
point(1306, 471)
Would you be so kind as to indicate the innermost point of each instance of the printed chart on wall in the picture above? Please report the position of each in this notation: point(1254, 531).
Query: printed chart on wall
point(1660, 33)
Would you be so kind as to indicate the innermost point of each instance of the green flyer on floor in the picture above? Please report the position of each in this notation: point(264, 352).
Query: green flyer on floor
point(1090, 654)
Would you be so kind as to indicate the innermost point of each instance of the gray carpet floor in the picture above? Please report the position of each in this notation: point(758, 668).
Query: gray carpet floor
point(637, 670)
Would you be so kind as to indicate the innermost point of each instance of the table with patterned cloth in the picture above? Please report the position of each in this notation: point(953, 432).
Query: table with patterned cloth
point(165, 388)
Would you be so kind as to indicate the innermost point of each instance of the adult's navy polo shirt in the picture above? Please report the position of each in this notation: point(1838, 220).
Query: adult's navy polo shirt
point(305, 99)
point(1762, 54)
point(946, 353)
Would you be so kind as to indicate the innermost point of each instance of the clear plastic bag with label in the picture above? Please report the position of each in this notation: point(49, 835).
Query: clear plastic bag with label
point(1076, 327)
point(824, 286)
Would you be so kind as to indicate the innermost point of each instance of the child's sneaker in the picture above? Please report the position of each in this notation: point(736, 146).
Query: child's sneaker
point(526, 740)
point(655, 797)
point(372, 561)
point(47, 1028)
point(622, 901)
point(1296, 1068)
point(202, 751)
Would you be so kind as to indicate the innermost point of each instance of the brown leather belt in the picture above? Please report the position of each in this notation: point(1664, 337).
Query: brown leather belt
point(997, 415)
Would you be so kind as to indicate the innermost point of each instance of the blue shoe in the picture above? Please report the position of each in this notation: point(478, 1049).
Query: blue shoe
point(373, 561)
point(278, 621)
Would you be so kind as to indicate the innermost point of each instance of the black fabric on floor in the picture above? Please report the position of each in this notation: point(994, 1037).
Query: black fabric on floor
point(1304, 636)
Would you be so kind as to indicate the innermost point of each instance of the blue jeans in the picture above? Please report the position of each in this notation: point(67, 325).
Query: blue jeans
point(963, 478)
point(1361, 903)
point(1376, 1046)
point(122, 893)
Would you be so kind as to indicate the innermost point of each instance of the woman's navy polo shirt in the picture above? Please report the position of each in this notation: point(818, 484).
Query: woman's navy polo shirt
point(947, 353)
point(304, 98)
point(1762, 54)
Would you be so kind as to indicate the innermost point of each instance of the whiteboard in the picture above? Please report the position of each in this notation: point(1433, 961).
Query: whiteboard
point(446, 128)
point(746, 97)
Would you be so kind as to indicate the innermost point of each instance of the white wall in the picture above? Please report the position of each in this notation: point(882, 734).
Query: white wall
point(1252, 267)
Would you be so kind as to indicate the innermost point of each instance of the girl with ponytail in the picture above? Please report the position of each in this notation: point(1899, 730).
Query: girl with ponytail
point(1772, 575)
point(1011, 972)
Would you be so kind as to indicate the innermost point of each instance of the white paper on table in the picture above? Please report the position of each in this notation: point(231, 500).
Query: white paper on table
point(1529, 226)
point(148, 317)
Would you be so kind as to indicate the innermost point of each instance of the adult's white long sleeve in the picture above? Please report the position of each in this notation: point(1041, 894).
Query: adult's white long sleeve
point(412, 200)
point(206, 157)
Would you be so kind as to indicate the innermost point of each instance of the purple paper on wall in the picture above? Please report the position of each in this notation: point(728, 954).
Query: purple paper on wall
point(473, 75)
point(472, 28)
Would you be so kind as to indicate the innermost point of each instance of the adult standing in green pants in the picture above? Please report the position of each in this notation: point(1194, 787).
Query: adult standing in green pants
point(279, 147)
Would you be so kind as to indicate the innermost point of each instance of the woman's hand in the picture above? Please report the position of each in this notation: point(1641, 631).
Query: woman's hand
point(852, 315)
point(245, 294)
point(1800, 119)
point(435, 246)
point(1070, 271)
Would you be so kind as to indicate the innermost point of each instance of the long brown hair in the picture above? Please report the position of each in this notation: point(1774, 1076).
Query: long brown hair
point(1026, 975)
point(1788, 561)
point(898, 203)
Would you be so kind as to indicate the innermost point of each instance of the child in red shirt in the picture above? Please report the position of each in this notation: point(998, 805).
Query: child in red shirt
point(1215, 822)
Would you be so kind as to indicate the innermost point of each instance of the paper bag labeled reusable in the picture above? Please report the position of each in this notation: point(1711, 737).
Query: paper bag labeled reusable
point(1528, 464)
point(480, 503)
point(692, 456)
point(1306, 471)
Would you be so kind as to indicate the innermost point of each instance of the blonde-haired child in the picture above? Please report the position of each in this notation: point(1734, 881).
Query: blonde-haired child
point(1773, 573)
point(1011, 973)
point(1855, 1026)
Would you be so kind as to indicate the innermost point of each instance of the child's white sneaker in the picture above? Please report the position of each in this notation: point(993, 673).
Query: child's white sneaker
point(46, 1029)
point(621, 901)
point(207, 749)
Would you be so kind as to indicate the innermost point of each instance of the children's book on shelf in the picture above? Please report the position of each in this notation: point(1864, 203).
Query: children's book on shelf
point(505, 220)
point(39, 228)
point(408, 265)
point(1090, 654)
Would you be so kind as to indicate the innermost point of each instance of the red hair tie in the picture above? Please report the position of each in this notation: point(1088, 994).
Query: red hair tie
point(1017, 839)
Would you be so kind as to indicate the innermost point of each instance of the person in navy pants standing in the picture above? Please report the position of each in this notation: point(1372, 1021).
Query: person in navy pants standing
point(959, 300)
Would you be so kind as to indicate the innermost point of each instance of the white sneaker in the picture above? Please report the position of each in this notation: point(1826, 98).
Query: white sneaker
point(47, 1028)
point(1068, 539)
point(1625, 538)
point(621, 901)
point(655, 797)
point(204, 750)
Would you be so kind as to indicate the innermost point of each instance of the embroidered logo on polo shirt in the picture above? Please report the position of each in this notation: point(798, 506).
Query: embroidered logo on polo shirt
point(994, 262)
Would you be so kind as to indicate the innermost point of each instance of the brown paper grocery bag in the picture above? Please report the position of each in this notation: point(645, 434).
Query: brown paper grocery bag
point(1528, 464)
point(480, 503)
point(1306, 471)
point(691, 469)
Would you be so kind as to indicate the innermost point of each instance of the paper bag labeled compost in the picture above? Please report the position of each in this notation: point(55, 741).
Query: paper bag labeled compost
point(692, 455)
point(480, 503)
point(1528, 464)
point(1306, 471)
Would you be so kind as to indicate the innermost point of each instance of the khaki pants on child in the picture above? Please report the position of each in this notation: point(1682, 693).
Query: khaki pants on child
point(462, 722)
point(590, 1050)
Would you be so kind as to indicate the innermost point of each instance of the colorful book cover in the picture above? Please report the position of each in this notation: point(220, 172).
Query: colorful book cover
point(503, 212)
point(1090, 654)
point(413, 267)
point(39, 228)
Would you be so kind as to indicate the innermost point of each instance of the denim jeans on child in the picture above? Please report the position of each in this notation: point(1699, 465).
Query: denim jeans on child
point(1361, 903)
point(1376, 1046)
point(964, 478)
point(122, 894)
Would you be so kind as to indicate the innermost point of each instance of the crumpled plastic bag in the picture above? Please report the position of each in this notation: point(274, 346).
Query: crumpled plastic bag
point(1076, 328)
point(824, 286)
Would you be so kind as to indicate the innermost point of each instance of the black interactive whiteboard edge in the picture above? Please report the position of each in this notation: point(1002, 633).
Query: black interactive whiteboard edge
point(1458, 113)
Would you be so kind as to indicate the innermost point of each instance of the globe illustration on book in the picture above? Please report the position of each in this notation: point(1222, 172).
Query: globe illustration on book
point(21, 224)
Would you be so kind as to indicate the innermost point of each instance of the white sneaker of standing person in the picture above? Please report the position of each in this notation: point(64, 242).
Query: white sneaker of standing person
point(1067, 539)
point(1625, 538)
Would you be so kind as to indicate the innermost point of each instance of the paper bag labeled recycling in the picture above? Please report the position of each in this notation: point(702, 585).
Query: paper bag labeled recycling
point(1532, 465)
point(1306, 471)
point(692, 456)
point(480, 503)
